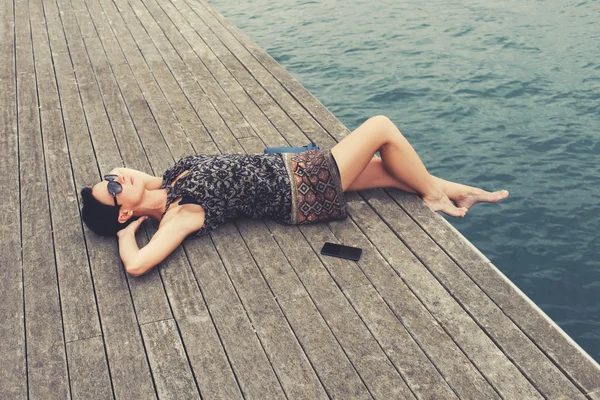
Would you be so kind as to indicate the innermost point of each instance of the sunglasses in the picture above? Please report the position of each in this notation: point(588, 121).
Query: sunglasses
point(114, 187)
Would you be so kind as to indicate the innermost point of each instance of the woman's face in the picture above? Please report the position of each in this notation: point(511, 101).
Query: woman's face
point(129, 198)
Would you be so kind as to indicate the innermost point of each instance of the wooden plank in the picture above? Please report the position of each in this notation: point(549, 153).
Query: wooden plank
point(170, 368)
point(312, 105)
point(44, 70)
point(204, 349)
point(216, 55)
point(324, 352)
point(331, 363)
point(418, 371)
point(80, 316)
point(275, 269)
point(84, 20)
point(13, 379)
point(88, 370)
point(56, 35)
point(80, 319)
point(154, 143)
point(173, 45)
point(405, 302)
point(293, 370)
point(457, 323)
point(539, 328)
point(46, 359)
point(196, 89)
point(375, 369)
point(154, 96)
point(177, 74)
point(129, 370)
point(101, 132)
point(253, 372)
point(187, 116)
point(249, 64)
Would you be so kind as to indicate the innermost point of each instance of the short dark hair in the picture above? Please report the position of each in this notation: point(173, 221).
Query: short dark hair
point(102, 219)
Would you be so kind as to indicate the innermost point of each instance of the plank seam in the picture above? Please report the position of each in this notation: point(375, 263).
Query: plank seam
point(85, 338)
point(157, 321)
point(20, 198)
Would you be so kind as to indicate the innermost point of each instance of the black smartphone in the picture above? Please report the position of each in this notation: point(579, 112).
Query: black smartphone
point(341, 251)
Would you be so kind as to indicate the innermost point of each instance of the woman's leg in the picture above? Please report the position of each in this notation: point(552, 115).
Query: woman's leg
point(354, 153)
point(376, 176)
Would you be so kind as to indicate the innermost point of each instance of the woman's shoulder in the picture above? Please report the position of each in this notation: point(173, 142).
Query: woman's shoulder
point(188, 216)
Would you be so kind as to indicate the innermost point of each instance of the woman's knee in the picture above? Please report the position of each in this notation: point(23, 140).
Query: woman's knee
point(384, 129)
point(381, 120)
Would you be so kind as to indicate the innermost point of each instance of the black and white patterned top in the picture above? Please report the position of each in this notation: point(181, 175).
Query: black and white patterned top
point(231, 185)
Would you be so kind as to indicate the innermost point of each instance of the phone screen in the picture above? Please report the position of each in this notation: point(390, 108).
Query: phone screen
point(341, 251)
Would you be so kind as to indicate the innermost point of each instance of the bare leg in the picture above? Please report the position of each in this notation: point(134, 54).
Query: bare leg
point(354, 153)
point(376, 176)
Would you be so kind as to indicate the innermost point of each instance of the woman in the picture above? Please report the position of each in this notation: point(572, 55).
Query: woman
point(201, 192)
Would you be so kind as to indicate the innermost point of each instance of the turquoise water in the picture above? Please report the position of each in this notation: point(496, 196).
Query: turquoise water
point(502, 96)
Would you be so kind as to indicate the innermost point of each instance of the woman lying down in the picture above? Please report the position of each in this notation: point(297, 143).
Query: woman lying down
point(201, 192)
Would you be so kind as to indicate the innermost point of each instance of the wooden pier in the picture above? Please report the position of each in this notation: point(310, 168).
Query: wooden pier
point(252, 310)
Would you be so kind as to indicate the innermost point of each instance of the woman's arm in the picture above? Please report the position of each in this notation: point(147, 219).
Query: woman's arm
point(150, 182)
point(168, 237)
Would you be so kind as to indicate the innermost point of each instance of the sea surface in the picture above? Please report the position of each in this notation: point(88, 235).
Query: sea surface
point(501, 95)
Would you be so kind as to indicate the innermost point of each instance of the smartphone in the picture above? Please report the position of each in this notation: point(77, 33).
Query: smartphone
point(341, 251)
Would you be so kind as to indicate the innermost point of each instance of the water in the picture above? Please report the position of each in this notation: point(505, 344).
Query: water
point(497, 95)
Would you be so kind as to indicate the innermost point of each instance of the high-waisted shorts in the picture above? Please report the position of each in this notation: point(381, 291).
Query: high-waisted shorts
point(316, 186)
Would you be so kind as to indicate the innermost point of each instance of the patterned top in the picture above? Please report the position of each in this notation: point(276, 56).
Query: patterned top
point(231, 185)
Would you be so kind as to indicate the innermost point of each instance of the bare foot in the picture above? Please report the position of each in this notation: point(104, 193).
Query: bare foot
point(443, 204)
point(471, 197)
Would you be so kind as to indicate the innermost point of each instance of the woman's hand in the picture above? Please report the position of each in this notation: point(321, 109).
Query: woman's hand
point(132, 227)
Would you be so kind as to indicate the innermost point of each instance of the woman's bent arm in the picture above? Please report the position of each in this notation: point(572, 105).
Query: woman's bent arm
point(139, 261)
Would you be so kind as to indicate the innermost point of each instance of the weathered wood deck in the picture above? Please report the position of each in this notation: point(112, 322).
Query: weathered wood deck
point(253, 310)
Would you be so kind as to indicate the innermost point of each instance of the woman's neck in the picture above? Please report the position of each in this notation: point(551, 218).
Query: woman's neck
point(153, 205)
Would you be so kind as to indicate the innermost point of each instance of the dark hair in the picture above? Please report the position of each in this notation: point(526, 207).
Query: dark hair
point(102, 219)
